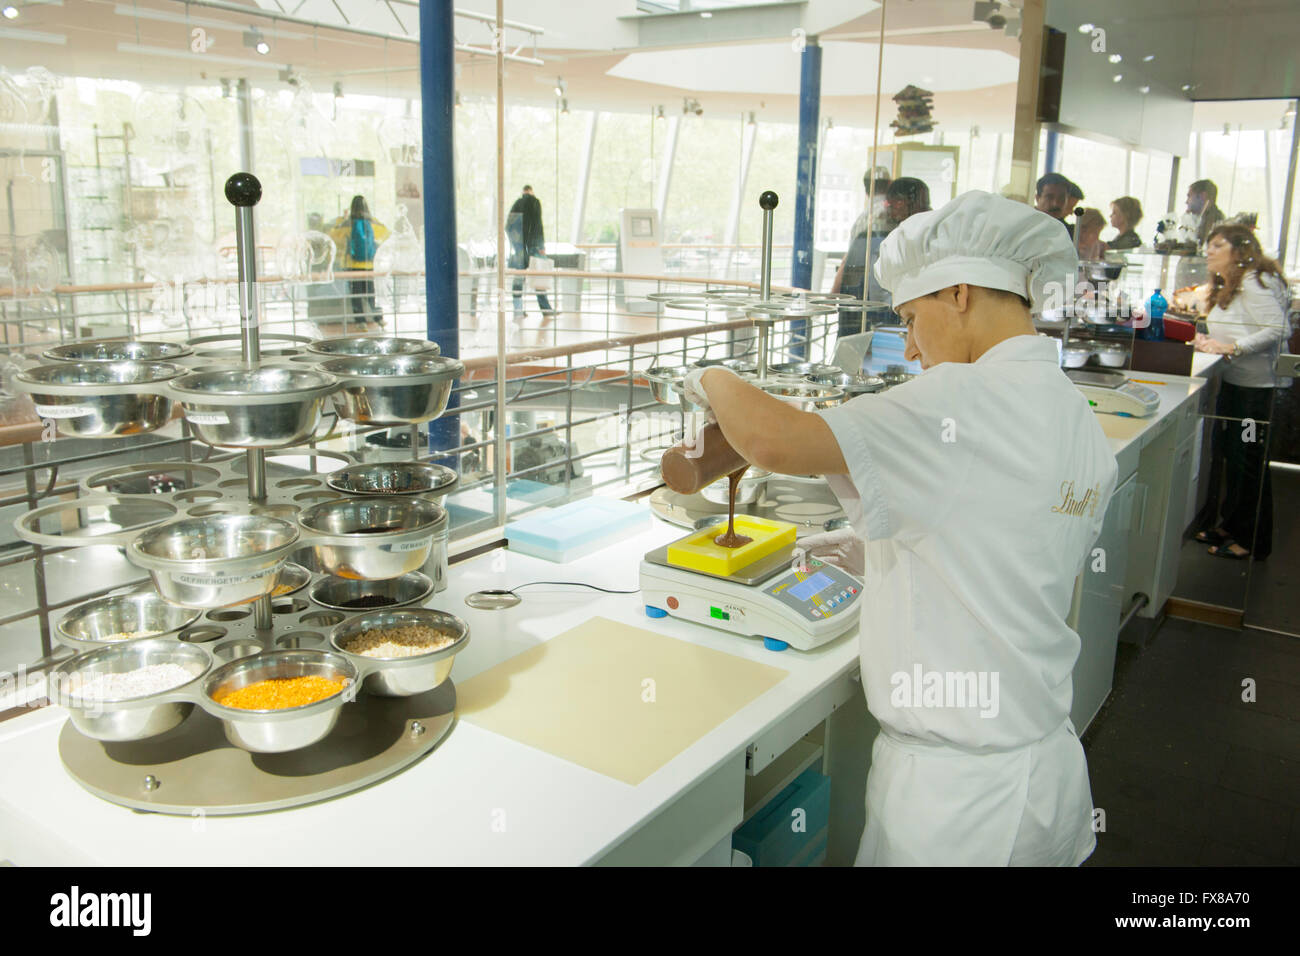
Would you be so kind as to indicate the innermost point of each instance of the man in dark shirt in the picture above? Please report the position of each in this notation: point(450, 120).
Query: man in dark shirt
point(1052, 196)
point(524, 230)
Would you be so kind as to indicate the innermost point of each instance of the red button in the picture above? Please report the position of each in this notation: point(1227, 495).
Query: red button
point(672, 603)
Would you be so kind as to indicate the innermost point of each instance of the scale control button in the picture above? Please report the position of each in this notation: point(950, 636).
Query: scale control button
point(816, 613)
point(672, 603)
point(853, 590)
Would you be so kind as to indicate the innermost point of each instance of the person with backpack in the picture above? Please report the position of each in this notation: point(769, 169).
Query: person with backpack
point(527, 240)
point(357, 236)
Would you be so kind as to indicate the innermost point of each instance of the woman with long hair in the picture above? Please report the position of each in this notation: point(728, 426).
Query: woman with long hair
point(357, 235)
point(1247, 324)
point(1090, 224)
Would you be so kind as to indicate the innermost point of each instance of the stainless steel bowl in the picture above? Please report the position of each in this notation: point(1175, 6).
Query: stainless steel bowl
point(393, 389)
point(802, 369)
point(404, 676)
point(666, 382)
point(265, 407)
point(275, 731)
point(1075, 356)
point(133, 718)
point(751, 486)
point(338, 593)
point(1111, 356)
point(95, 624)
point(100, 399)
point(853, 385)
point(217, 560)
point(118, 351)
point(394, 478)
point(372, 345)
point(806, 397)
point(373, 538)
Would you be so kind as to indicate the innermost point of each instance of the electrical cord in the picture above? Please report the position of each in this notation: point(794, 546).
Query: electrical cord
point(575, 584)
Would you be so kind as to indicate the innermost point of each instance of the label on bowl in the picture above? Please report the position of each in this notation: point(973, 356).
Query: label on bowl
point(208, 418)
point(217, 580)
point(405, 546)
point(64, 411)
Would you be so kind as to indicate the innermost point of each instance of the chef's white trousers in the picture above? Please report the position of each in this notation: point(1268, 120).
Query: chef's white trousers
point(931, 805)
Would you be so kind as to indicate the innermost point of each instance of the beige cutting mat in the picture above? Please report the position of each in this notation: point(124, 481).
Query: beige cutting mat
point(612, 698)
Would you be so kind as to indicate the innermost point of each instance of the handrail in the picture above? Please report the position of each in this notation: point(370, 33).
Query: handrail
point(9, 292)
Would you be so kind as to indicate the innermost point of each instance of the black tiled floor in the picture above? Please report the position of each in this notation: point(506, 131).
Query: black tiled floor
point(1187, 772)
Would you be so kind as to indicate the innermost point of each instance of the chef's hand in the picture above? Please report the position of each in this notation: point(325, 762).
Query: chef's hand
point(1203, 343)
point(693, 390)
point(842, 548)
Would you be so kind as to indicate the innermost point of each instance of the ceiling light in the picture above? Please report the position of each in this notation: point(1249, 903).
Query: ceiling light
point(1117, 77)
point(1148, 58)
point(659, 114)
point(1086, 28)
point(564, 106)
point(1144, 90)
point(1187, 87)
point(706, 15)
point(560, 86)
point(1115, 58)
point(752, 121)
point(263, 47)
point(10, 12)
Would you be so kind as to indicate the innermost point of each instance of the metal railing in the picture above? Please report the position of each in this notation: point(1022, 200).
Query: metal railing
point(582, 419)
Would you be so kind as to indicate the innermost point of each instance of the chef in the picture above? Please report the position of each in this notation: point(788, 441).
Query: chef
point(975, 492)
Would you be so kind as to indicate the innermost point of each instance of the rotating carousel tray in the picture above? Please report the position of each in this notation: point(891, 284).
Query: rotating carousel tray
point(195, 765)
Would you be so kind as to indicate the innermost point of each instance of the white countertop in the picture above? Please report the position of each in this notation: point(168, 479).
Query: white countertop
point(442, 810)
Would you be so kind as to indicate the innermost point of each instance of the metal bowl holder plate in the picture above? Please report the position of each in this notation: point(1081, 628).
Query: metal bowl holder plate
point(193, 769)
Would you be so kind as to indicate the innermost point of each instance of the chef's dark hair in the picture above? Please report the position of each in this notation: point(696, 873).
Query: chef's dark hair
point(912, 191)
point(359, 209)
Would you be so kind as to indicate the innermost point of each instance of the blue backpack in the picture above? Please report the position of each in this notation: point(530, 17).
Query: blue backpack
point(361, 242)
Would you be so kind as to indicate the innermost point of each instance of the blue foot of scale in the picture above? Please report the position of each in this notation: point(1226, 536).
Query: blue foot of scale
point(655, 611)
point(772, 644)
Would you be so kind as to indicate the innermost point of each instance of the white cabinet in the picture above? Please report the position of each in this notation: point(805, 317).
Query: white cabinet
point(1100, 604)
point(1163, 476)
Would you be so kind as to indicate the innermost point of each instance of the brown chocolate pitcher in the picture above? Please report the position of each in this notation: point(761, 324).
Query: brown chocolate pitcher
point(689, 467)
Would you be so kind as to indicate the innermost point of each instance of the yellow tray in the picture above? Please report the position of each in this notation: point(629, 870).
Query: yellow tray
point(697, 552)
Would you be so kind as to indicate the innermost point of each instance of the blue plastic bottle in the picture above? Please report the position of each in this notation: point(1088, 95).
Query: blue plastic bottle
point(1156, 306)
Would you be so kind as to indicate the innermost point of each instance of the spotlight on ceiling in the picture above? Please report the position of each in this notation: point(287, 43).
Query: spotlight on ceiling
point(1144, 90)
point(1115, 58)
point(10, 12)
point(254, 40)
point(560, 86)
point(659, 113)
point(1086, 27)
point(564, 105)
point(692, 105)
point(752, 120)
point(1148, 58)
point(1117, 77)
point(706, 15)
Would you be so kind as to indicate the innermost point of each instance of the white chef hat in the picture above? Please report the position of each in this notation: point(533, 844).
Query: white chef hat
point(982, 240)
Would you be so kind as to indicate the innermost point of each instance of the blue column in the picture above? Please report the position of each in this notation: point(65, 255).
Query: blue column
point(437, 109)
point(1049, 151)
point(805, 213)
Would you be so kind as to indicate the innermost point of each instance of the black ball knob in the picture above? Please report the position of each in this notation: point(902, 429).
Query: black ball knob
point(243, 189)
point(767, 200)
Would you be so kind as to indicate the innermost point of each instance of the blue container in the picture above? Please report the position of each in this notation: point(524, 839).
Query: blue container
point(577, 529)
point(779, 835)
point(1156, 308)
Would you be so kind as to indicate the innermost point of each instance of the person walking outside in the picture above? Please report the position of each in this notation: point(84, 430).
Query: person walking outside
point(527, 239)
point(357, 235)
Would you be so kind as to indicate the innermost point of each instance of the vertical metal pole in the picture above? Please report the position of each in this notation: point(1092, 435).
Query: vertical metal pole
point(871, 184)
point(1173, 184)
point(767, 202)
point(438, 121)
point(584, 178)
point(244, 97)
point(1287, 196)
point(499, 435)
point(244, 191)
point(666, 179)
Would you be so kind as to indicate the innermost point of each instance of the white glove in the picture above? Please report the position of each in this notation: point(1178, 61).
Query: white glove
point(842, 548)
point(693, 390)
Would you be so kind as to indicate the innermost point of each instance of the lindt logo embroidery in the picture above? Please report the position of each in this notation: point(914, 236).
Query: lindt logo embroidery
point(1072, 504)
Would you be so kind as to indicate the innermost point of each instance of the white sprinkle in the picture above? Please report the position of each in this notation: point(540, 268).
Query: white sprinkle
point(141, 682)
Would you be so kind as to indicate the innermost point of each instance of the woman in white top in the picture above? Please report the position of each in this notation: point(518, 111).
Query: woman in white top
point(1248, 325)
point(975, 491)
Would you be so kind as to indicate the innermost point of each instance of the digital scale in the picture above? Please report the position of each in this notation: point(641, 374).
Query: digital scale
point(757, 590)
point(1112, 393)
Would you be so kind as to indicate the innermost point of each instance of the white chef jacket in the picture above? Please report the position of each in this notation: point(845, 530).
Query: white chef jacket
point(979, 489)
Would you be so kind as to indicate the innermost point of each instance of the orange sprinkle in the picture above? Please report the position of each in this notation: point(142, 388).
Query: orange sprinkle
point(280, 693)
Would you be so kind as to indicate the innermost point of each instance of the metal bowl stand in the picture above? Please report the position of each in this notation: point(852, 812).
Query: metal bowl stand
point(192, 769)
